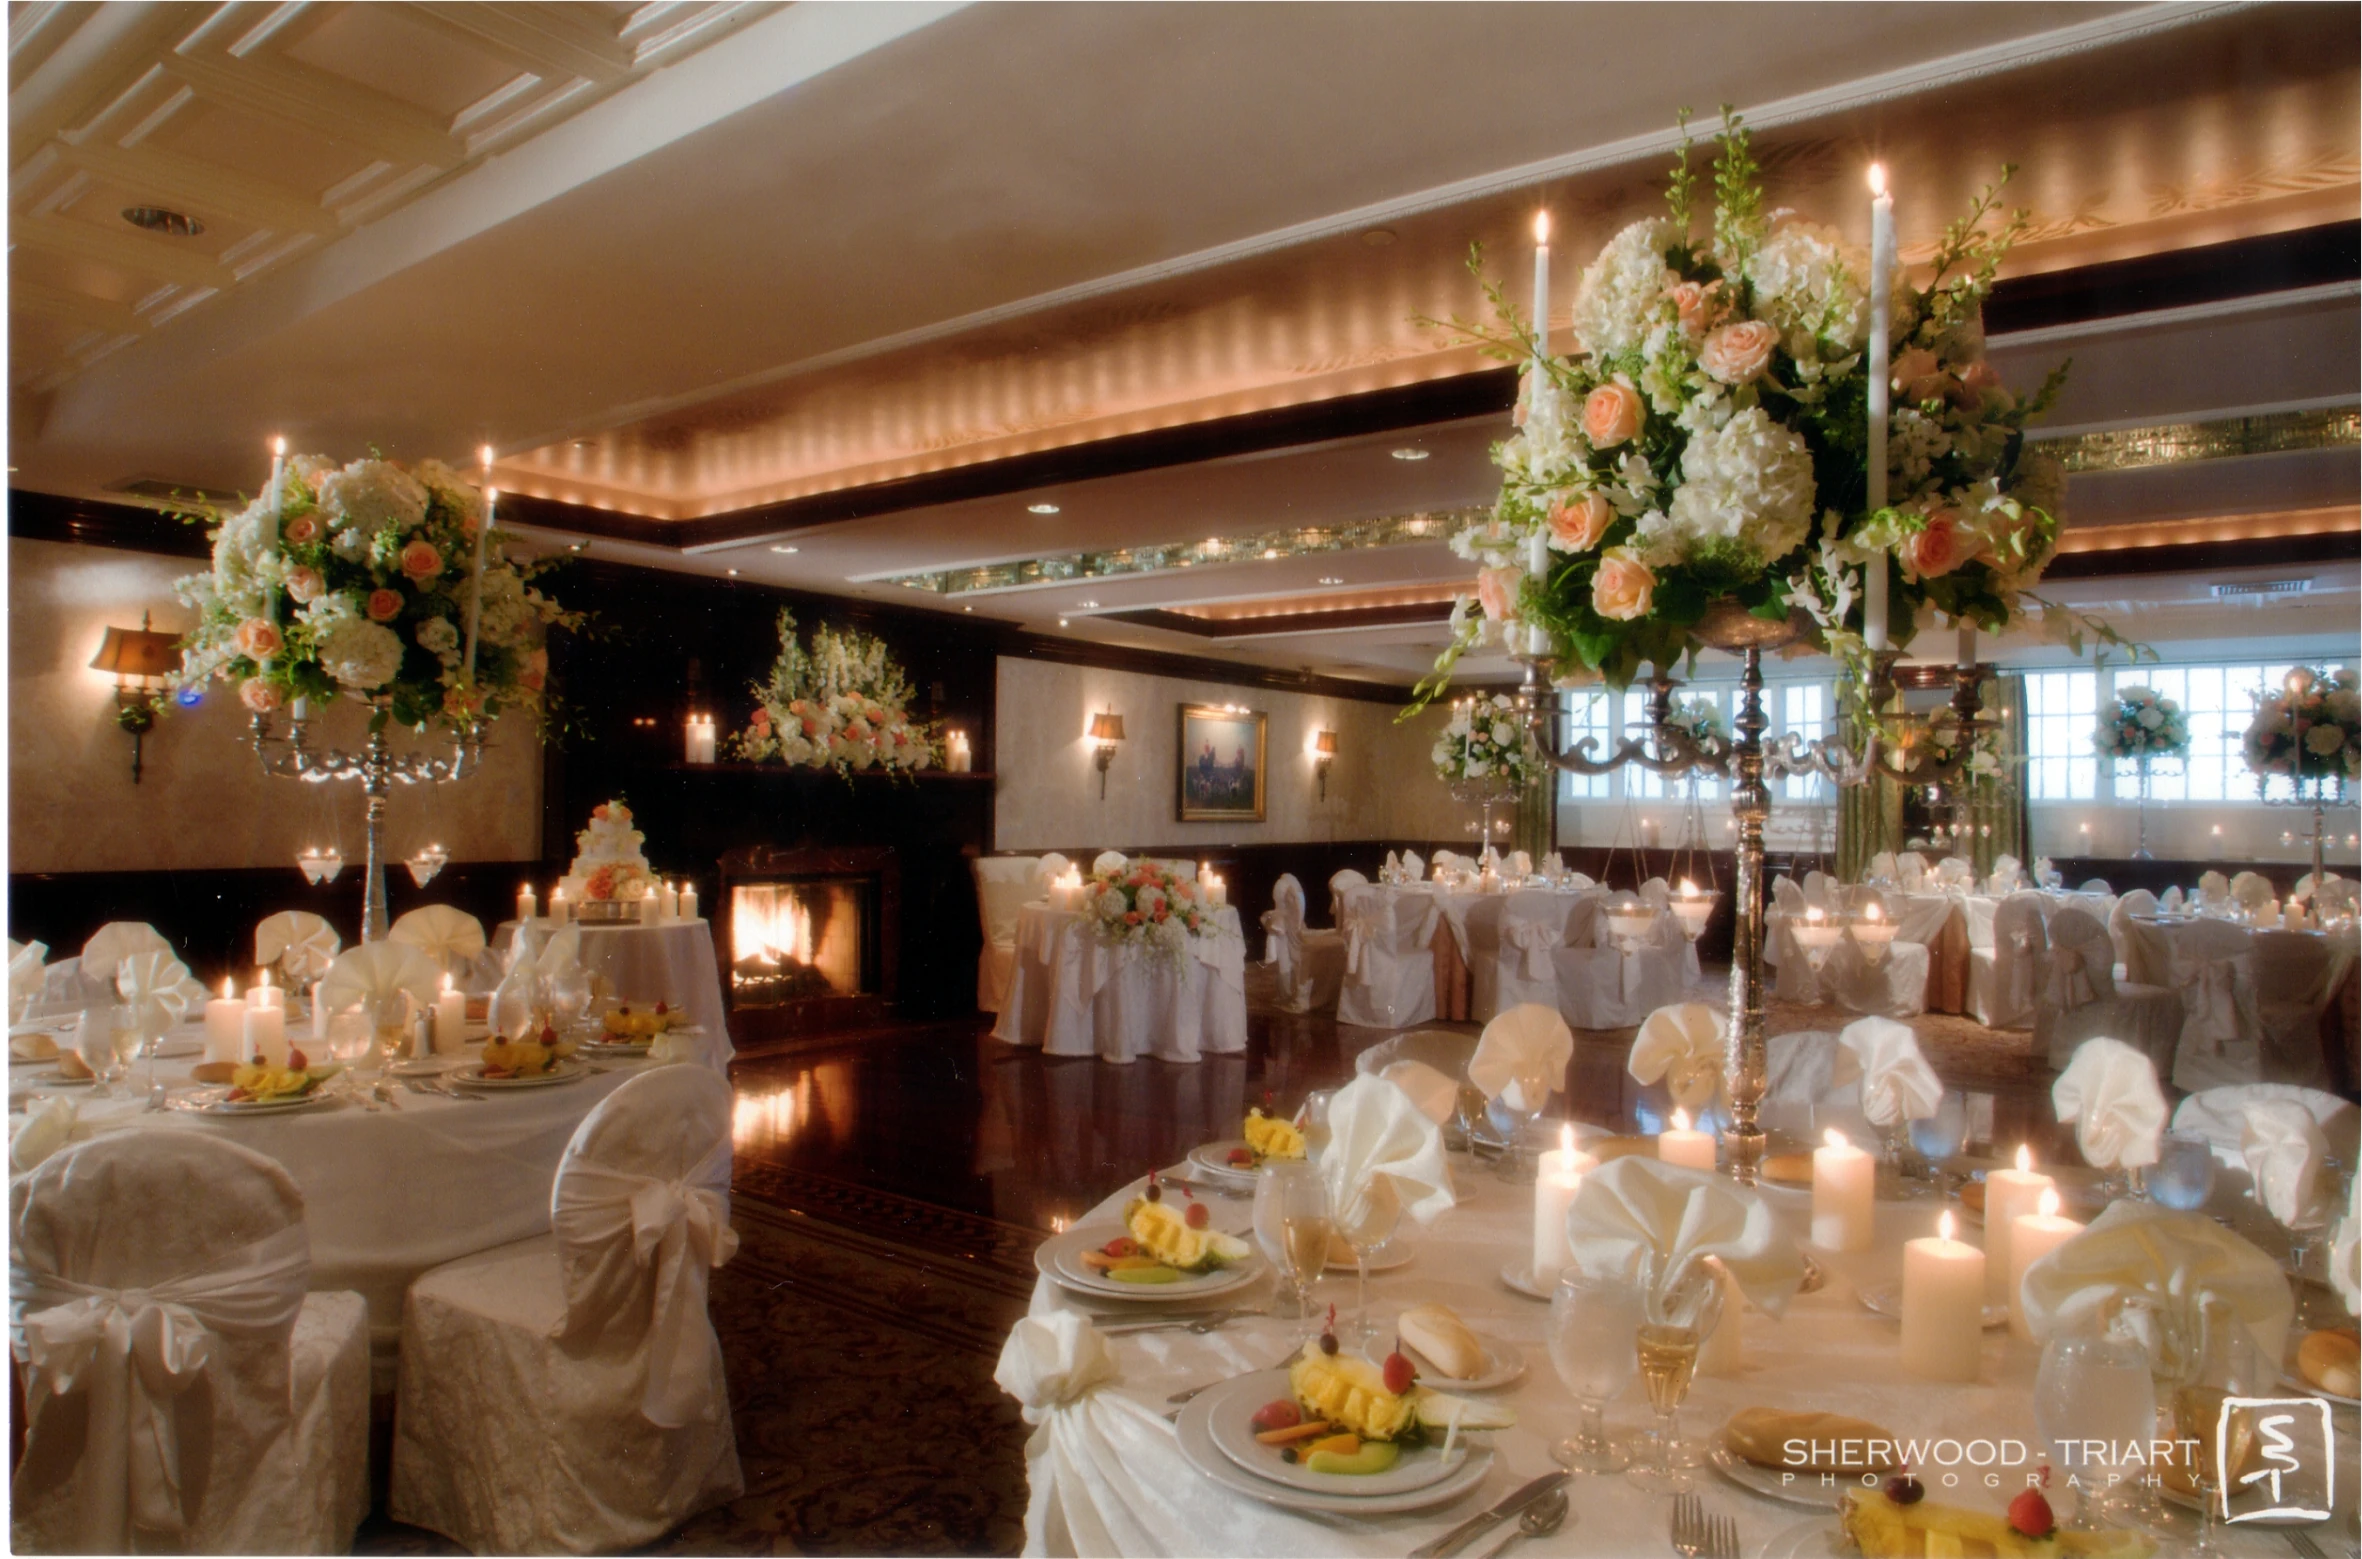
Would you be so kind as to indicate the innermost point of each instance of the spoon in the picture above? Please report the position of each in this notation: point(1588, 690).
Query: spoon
point(1541, 1518)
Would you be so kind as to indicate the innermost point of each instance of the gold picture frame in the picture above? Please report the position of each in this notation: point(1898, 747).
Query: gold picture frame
point(1222, 766)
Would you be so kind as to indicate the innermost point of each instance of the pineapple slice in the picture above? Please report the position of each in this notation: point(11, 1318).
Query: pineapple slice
point(1268, 1137)
point(1164, 1233)
point(1351, 1393)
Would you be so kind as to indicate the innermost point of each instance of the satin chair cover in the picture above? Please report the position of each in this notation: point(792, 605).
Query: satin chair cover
point(1108, 862)
point(1911, 871)
point(1389, 961)
point(1004, 884)
point(2081, 998)
point(2219, 1115)
point(182, 1390)
point(299, 943)
point(1512, 939)
point(2095, 885)
point(2293, 978)
point(566, 1394)
point(1309, 964)
point(1603, 986)
point(452, 937)
point(2004, 976)
point(2140, 901)
point(1414, 867)
point(1340, 884)
point(1882, 867)
point(2210, 964)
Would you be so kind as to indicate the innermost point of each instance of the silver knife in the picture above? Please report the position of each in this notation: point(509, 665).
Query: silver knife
point(1474, 1527)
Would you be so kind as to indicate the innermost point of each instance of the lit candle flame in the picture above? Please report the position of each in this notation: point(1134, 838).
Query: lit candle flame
point(1871, 911)
point(1566, 1140)
point(1836, 1139)
point(2025, 1159)
point(1689, 889)
point(1877, 179)
point(1814, 913)
point(484, 456)
point(446, 985)
point(2048, 1205)
point(1944, 1225)
point(1681, 1120)
point(279, 446)
point(1541, 227)
point(226, 992)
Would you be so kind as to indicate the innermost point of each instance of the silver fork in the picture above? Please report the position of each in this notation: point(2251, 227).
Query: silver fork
point(1690, 1536)
point(2304, 1545)
point(1726, 1538)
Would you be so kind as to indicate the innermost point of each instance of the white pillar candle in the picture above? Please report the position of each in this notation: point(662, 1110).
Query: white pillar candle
point(1541, 285)
point(688, 901)
point(557, 906)
point(1678, 1144)
point(1882, 270)
point(1558, 1176)
point(668, 901)
point(263, 993)
point(2033, 1236)
point(1723, 1352)
point(265, 1035)
point(651, 906)
point(2010, 1194)
point(450, 1019)
point(1943, 1306)
point(526, 905)
point(225, 1026)
point(699, 746)
point(1968, 644)
point(1845, 1181)
point(319, 1022)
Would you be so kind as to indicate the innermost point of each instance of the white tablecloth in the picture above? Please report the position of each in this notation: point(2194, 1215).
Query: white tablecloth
point(1826, 1353)
point(1074, 995)
point(672, 962)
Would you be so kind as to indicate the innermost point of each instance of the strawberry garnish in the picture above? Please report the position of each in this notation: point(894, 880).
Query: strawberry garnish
point(1398, 1372)
point(1197, 1216)
point(2030, 1515)
point(296, 1061)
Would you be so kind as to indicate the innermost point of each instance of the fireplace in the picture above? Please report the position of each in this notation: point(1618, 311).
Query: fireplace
point(806, 939)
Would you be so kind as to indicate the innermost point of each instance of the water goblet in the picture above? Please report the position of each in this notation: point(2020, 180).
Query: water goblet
point(1676, 1321)
point(1366, 1222)
point(1940, 1137)
point(351, 1038)
point(2230, 1368)
point(94, 1042)
point(1292, 1224)
point(2183, 1176)
point(1589, 1319)
point(392, 1016)
point(1517, 1110)
point(2095, 1390)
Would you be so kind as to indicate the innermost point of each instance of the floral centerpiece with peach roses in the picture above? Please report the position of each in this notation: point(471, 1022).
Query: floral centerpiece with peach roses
point(1707, 444)
point(1149, 904)
point(842, 704)
point(361, 579)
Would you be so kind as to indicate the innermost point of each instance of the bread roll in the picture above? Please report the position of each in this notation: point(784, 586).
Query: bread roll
point(214, 1071)
point(1972, 1197)
point(2332, 1361)
point(1442, 1341)
point(71, 1064)
point(1789, 1169)
point(33, 1047)
point(1808, 1442)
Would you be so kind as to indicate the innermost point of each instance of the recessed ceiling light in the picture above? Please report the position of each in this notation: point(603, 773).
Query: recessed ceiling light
point(1378, 237)
point(1331, 579)
point(1061, 622)
point(156, 219)
point(1041, 508)
point(967, 608)
point(733, 573)
point(1090, 606)
point(1409, 452)
point(787, 549)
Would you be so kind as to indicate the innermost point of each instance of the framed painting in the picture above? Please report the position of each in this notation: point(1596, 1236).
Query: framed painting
point(1222, 764)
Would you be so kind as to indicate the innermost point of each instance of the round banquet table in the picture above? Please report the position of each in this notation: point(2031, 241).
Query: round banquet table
point(1123, 1487)
point(389, 1192)
point(672, 962)
point(1071, 994)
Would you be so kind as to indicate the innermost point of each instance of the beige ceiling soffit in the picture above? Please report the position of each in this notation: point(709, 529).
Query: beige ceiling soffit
point(129, 248)
point(1327, 601)
point(1903, 82)
point(2239, 527)
point(74, 308)
point(208, 187)
point(343, 111)
point(2191, 314)
point(545, 39)
point(48, 82)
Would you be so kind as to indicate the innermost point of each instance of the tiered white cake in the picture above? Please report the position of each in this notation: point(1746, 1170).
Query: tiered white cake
point(608, 864)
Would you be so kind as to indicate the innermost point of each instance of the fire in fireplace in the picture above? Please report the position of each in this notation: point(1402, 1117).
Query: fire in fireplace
point(808, 942)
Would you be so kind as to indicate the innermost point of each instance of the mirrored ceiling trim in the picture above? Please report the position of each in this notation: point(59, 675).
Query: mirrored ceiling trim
point(2182, 443)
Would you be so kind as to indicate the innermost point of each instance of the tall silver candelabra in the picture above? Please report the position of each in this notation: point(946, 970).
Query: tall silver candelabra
point(1897, 746)
point(378, 769)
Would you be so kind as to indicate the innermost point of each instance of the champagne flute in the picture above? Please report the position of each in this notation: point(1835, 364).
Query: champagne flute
point(1292, 1224)
point(1675, 1322)
point(1589, 1319)
point(1313, 1120)
point(1367, 1221)
point(94, 1042)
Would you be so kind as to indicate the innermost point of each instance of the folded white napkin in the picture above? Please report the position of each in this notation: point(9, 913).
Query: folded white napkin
point(1413, 868)
point(1529, 1042)
point(535, 965)
point(45, 1129)
point(1882, 867)
point(2213, 886)
point(2109, 1090)
point(117, 940)
point(1393, 866)
point(1897, 1083)
point(2345, 1253)
point(1052, 1361)
point(1644, 1221)
point(371, 975)
point(1955, 871)
point(2251, 889)
point(298, 941)
point(1521, 863)
point(1684, 1045)
point(2169, 1266)
point(1382, 1148)
point(2172, 899)
point(160, 992)
point(1436, 1095)
point(25, 978)
point(2220, 1116)
point(2284, 1147)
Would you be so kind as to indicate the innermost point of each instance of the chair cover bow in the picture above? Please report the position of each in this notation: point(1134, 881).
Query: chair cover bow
point(131, 1352)
point(299, 942)
point(2071, 972)
point(1534, 941)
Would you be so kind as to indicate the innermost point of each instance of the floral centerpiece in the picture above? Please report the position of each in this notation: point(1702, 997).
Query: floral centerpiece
point(1486, 743)
point(842, 704)
point(374, 578)
point(1148, 904)
point(1699, 719)
point(2140, 723)
point(1707, 447)
point(2309, 730)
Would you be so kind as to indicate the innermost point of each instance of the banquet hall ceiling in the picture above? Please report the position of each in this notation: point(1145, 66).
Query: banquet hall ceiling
point(860, 244)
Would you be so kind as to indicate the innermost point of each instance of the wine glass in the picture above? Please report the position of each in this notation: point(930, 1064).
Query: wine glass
point(1366, 1222)
point(2222, 1439)
point(2094, 1389)
point(1518, 1108)
point(2183, 1176)
point(351, 1037)
point(392, 1015)
point(1589, 1319)
point(1292, 1224)
point(1676, 1321)
point(94, 1042)
point(1312, 1119)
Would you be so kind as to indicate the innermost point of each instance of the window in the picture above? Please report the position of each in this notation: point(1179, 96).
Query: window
point(1803, 711)
point(1592, 715)
point(2061, 711)
point(1607, 717)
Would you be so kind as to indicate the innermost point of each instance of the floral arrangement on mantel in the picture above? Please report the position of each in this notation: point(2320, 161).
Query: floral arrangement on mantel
point(2139, 722)
point(842, 704)
point(2309, 730)
point(377, 579)
point(1148, 904)
point(1486, 741)
point(1708, 447)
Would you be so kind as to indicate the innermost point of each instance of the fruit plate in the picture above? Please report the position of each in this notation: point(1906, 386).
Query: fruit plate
point(318, 1098)
point(472, 1076)
point(1886, 1299)
point(1804, 1488)
point(1213, 1158)
point(1059, 1258)
point(1230, 1423)
point(617, 1050)
point(1194, 1431)
point(1504, 1365)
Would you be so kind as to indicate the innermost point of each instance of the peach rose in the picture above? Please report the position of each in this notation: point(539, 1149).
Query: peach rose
point(1938, 549)
point(1623, 589)
point(302, 530)
point(260, 696)
point(1496, 592)
point(420, 560)
point(257, 639)
point(305, 584)
point(1611, 414)
point(1919, 376)
point(762, 718)
point(536, 672)
point(461, 703)
point(1578, 520)
point(1738, 354)
point(1699, 303)
point(385, 605)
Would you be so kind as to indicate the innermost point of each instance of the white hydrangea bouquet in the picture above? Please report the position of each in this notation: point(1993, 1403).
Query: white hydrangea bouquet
point(841, 704)
point(1486, 742)
point(364, 579)
point(1699, 719)
point(1708, 444)
point(2309, 730)
point(2141, 723)
point(1148, 904)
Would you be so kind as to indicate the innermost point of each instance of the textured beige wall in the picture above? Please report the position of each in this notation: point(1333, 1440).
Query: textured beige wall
point(1381, 786)
point(203, 802)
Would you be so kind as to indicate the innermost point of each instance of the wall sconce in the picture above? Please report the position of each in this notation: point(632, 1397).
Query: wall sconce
point(1106, 731)
point(1324, 753)
point(139, 659)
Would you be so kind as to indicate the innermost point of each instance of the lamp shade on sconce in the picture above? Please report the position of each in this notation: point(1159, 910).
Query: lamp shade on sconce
point(1325, 744)
point(1107, 728)
point(137, 652)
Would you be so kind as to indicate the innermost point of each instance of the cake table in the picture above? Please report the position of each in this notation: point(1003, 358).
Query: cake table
point(671, 961)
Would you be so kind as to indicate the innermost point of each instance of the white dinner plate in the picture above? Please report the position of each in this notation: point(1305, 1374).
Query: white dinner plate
point(1886, 1299)
point(317, 1099)
point(2292, 1378)
point(60, 1080)
point(415, 1067)
point(1214, 1159)
point(1819, 1538)
point(1197, 1448)
point(1504, 1365)
point(472, 1076)
point(1807, 1489)
point(1059, 1258)
point(1518, 1278)
point(1230, 1422)
point(604, 1050)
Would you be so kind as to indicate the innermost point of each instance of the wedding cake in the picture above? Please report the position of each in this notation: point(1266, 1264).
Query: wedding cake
point(609, 868)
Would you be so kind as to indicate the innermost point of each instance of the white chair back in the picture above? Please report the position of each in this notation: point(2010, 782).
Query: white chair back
point(2082, 961)
point(1005, 884)
point(2097, 885)
point(1283, 927)
point(144, 1264)
point(1108, 861)
point(641, 1212)
point(1881, 868)
point(302, 945)
point(1414, 867)
point(1186, 871)
point(1341, 884)
point(1820, 888)
point(1911, 870)
point(1786, 895)
point(1049, 869)
point(1655, 894)
point(453, 938)
point(117, 940)
point(2250, 890)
